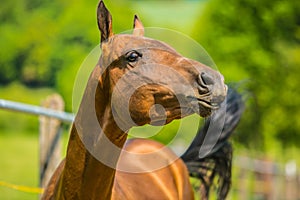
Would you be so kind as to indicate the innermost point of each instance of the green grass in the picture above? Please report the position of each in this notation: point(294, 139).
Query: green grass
point(19, 164)
point(19, 141)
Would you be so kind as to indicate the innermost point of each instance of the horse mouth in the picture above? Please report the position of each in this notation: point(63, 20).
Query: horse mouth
point(209, 105)
point(203, 105)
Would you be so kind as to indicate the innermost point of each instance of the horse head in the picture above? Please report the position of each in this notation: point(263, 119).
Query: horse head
point(149, 82)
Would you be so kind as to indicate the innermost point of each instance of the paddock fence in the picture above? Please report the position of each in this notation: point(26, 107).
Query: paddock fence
point(51, 118)
point(252, 178)
point(260, 179)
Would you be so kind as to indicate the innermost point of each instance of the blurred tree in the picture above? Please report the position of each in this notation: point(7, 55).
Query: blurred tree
point(78, 34)
point(40, 36)
point(259, 41)
point(44, 42)
point(23, 37)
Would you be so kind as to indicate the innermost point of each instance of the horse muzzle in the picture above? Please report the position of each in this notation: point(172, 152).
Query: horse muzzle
point(211, 91)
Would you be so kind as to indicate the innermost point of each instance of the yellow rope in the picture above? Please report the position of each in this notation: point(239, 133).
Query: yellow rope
point(22, 188)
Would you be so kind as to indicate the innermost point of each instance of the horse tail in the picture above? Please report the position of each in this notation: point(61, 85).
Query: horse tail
point(210, 154)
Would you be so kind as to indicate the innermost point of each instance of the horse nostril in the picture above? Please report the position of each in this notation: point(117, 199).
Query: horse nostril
point(207, 79)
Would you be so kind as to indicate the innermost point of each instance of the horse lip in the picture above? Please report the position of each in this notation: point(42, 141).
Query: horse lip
point(217, 100)
point(205, 102)
point(212, 100)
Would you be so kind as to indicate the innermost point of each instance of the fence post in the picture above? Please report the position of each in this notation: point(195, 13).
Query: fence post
point(49, 139)
point(291, 188)
point(242, 184)
point(264, 180)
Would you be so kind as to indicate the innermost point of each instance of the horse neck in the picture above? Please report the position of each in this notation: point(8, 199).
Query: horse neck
point(84, 176)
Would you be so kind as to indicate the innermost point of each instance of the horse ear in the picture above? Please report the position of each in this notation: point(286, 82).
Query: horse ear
point(138, 28)
point(104, 22)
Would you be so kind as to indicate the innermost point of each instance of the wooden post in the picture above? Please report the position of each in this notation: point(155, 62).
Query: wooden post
point(291, 188)
point(242, 184)
point(49, 139)
point(265, 173)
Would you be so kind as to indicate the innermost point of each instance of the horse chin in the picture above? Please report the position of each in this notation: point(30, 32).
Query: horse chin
point(158, 122)
point(204, 111)
point(207, 105)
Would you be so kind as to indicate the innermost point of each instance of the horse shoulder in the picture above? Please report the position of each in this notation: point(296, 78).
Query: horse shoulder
point(150, 171)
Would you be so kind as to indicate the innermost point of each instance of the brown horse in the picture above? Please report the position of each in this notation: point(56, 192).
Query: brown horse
point(134, 74)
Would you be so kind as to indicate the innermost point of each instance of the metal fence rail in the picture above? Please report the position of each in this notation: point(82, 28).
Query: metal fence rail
point(36, 110)
point(51, 115)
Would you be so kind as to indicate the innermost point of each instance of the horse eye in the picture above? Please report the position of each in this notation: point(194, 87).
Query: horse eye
point(132, 56)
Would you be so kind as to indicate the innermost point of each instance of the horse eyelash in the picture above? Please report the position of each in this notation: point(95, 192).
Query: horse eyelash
point(140, 55)
point(131, 64)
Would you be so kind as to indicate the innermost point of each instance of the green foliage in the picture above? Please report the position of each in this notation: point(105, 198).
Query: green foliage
point(45, 41)
point(258, 41)
point(24, 40)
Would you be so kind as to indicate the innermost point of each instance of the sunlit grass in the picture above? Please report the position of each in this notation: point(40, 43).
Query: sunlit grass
point(18, 165)
point(19, 141)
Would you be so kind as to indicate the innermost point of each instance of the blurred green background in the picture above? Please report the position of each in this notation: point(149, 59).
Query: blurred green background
point(255, 44)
